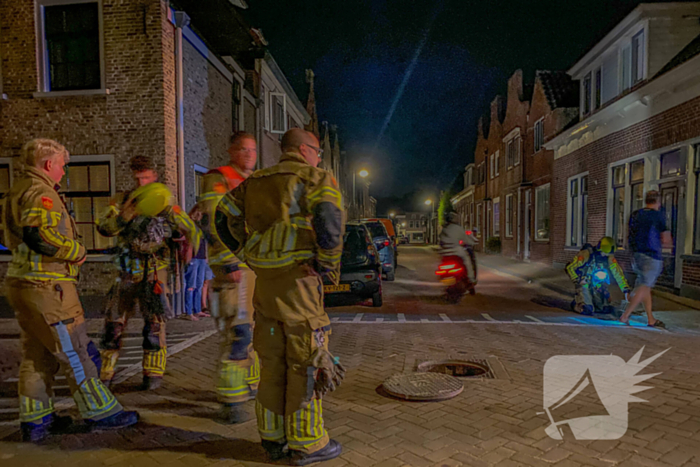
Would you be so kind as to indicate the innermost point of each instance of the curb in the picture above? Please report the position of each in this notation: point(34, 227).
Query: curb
point(689, 302)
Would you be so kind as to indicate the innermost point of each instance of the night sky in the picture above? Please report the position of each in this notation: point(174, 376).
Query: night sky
point(361, 51)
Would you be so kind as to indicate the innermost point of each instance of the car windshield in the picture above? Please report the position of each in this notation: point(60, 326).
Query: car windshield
point(376, 229)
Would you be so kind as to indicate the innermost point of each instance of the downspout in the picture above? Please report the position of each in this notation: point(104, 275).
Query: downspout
point(182, 20)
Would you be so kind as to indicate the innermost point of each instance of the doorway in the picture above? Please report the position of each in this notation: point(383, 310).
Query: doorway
point(669, 207)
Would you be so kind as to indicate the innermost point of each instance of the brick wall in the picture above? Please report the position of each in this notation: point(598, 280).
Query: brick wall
point(673, 126)
point(208, 116)
point(137, 117)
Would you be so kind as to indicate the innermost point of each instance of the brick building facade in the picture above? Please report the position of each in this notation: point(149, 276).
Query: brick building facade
point(115, 92)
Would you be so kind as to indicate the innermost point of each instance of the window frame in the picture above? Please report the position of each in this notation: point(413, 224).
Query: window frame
point(509, 216)
point(493, 167)
point(696, 212)
point(94, 255)
point(538, 190)
point(587, 93)
point(496, 217)
point(597, 88)
point(538, 134)
point(579, 210)
point(272, 102)
point(44, 82)
point(479, 218)
point(6, 162)
point(634, 69)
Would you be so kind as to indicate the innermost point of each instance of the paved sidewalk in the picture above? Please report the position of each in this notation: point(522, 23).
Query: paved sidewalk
point(493, 422)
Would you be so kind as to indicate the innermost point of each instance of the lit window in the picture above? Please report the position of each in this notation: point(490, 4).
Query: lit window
point(577, 211)
point(87, 187)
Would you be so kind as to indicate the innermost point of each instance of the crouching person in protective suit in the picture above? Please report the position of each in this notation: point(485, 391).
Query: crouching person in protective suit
point(286, 222)
point(590, 272)
point(41, 288)
point(149, 231)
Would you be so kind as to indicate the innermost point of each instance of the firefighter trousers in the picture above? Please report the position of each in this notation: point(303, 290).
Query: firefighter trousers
point(232, 307)
point(123, 302)
point(54, 335)
point(287, 408)
point(591, 299)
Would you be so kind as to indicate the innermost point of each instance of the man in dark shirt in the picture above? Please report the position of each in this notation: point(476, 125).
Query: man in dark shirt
point(648, 234)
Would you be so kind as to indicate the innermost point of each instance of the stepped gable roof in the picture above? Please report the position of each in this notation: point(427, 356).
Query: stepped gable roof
point(688, 52)
point(560, 89)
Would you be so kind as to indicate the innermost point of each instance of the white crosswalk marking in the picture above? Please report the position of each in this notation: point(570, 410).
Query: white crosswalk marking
point(487, 317)
point(402, 317)
point(534, 319)
point(445, 318)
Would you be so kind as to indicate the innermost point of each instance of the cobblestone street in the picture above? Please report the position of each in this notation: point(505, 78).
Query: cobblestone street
point(494, 421)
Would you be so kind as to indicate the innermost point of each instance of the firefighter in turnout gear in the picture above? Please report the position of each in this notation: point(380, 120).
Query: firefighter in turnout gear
point(234, 282)
point(149, 230)
point(590, 271)
point(287, 223)
point(41, 288)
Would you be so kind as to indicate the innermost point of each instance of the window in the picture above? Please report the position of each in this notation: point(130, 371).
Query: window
point(542, 213)
point(626, 67)
point(493, 166)
point(618, 193)
point(539, 135)
point(236, 106)
point(70, 51)
point(278, 111)
point(509, 216)
point(498, 159)
point(586, 94)
point(637, 184)
point(5, 171)
point(513, 152)
point(577, 211)
point(598, 87)
point(496, 217)
point(87, 187)
point(479, 207)
point(696, 232)
point(671, 165)
point(638, 57)
point(199, 173)
point(610, 78)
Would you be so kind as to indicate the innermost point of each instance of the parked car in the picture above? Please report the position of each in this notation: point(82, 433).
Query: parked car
point(385, 245)
point(360, 266)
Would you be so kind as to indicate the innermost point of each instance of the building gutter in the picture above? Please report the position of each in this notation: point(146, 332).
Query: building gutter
point(181, 20)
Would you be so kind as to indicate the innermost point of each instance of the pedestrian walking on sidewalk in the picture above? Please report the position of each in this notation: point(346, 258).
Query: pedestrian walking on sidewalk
point(41, 288)
point(648, 235)
point(287, 221)
point(197, 273)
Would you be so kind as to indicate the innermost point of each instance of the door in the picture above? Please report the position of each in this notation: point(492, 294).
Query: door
point(669, 207)
point(528, 224)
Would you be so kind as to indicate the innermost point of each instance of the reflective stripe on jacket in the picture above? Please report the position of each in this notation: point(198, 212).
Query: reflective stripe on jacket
point(39, 231)
point(283, 215)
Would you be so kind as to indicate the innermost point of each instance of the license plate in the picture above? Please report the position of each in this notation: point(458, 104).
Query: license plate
point(449, 281)
point(336, 288)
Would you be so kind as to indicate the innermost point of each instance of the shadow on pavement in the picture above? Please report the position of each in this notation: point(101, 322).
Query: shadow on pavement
point(552, 302)
point(145, 437)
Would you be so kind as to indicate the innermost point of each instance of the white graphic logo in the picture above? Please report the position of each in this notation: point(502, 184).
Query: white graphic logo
point(613, 380)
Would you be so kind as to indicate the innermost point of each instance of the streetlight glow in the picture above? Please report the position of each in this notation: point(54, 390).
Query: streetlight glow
point(403, 224)
point(392, 214)
point(428, 202)
point(363, 173)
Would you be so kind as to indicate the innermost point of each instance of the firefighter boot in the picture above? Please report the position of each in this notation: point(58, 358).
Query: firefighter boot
point(232, 414)
point(332, 450)
point(150, 383)
point(52, 424)
point(119, 420)
point(275, 451)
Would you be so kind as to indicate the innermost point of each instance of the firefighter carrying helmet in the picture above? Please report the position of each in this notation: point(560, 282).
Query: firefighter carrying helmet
point(607, 245)
point(151, 199)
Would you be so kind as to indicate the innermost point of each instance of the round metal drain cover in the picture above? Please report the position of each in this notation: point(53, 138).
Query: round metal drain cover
point(457, 368)
point(423, 386)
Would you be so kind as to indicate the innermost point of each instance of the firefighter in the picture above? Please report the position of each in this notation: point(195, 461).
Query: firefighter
point(590, 272)
point(41, 288)
point(286, 221)
point(149, 230)
point(233, 285)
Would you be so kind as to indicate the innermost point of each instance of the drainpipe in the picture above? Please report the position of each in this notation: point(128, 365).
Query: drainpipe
point(182, 20)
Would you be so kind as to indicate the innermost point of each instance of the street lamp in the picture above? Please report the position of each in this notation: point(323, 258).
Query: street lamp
point(392, 214)
point(362, 173)
point(429, 202)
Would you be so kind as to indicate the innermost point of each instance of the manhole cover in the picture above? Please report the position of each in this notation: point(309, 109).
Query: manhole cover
point(458, 368)
point(423, 386)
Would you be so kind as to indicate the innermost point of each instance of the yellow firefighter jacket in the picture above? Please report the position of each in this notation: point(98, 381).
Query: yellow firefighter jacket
point(110, 224)
point(282, 216)
point(215, 186)
point(39, 231)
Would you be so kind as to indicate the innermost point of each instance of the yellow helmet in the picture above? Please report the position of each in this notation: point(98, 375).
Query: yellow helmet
point(151, 199)
point(607, 245)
